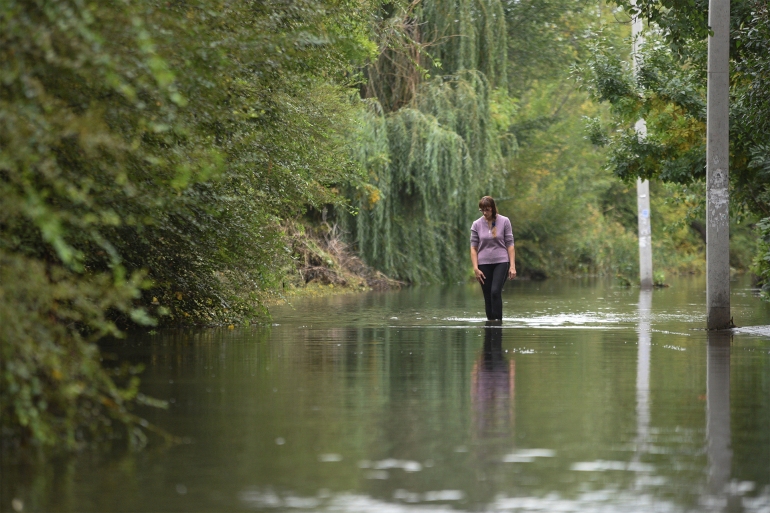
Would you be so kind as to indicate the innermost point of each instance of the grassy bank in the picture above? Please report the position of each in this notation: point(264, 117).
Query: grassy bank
point(322, 264)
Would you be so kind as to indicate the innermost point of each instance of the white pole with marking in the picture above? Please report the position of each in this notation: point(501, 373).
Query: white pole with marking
point(642, 186)
point(717, 167)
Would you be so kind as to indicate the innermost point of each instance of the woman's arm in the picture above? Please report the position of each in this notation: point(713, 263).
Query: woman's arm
point(475, 261)
point(512, 260)
point(508, 238)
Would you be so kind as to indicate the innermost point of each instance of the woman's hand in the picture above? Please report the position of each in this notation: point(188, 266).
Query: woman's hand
point(479, 275)
point(511, 273)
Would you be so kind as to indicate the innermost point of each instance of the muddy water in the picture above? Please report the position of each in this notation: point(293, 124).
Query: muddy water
point(589, 397)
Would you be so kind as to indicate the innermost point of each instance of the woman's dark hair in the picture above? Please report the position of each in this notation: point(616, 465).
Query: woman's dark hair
point(488, 201)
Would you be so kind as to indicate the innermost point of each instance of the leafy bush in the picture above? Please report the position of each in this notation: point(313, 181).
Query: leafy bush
point(148, 153)
point(670, 94)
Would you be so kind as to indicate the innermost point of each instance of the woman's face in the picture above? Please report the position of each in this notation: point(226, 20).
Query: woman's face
point(487, 211)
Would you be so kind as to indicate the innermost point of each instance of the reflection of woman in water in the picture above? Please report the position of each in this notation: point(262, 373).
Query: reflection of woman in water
point(492, 388)
point(492, 255)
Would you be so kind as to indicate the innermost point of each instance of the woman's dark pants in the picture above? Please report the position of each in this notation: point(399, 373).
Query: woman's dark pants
point(495, 276)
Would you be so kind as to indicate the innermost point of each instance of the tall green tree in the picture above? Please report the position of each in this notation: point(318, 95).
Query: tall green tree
point(149, 152)
point(669, 91)
point(432, 139)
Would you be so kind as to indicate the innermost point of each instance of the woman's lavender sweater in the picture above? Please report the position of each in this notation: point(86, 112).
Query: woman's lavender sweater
point(492, 250)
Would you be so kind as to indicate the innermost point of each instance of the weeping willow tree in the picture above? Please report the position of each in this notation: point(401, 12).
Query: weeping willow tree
point(432, 137)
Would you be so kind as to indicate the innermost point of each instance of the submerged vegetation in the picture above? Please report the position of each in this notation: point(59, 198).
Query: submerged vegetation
point(185, 163)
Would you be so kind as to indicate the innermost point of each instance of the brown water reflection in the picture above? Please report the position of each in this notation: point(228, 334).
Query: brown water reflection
point(587, 398)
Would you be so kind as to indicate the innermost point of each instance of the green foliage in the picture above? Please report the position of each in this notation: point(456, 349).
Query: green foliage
point(431, 147)
point(266, 83)
point(761, 264)
point(73, 169)
point(466, 35)
point(148, 153)
point(671, 102)
point(153, 154)
point(545, 38)
point(55, 390)
point(571, 215)
point(563, 204)
point(670, 94)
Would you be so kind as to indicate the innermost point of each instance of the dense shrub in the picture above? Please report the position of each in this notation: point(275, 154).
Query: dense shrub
point(148, 153)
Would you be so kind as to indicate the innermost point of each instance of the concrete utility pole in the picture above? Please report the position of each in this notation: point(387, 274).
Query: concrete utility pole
point(717, 166)
point(642, 186)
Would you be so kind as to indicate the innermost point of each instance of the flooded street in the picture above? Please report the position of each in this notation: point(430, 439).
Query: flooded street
point(589, 397)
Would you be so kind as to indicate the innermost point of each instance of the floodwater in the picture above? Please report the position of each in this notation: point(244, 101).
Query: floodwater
point(588, 398)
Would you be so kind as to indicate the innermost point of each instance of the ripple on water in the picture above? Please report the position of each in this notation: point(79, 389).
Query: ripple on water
point(389, 463)
point(585, 320)
point(528, 455)
point(763, 331)
point(595, 501)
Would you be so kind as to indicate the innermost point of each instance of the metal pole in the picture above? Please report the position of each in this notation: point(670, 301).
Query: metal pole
point(642, 186)
point(717, 167)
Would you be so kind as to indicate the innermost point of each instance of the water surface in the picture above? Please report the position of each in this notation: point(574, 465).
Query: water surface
point(589, 397)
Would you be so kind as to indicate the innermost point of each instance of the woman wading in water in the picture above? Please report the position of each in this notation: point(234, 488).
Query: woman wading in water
point(492, 255)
